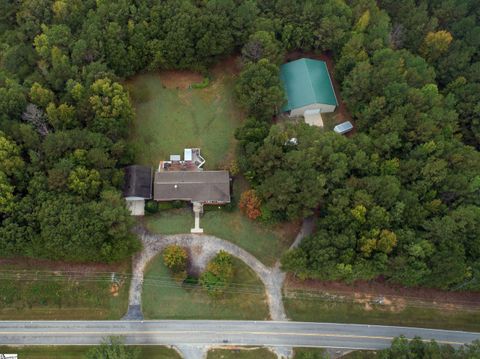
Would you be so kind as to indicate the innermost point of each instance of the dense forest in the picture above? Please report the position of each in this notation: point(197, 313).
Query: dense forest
point(398, 199)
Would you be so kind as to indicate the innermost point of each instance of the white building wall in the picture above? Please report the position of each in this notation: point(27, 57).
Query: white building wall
point(298, 112)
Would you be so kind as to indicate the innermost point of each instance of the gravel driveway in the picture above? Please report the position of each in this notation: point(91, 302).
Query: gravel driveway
point(204, 248)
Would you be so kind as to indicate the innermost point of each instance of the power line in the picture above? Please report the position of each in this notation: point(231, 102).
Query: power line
point(234, 287)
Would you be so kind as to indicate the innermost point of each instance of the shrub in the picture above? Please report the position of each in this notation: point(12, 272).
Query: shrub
point(230, 207)
point(175, 258)
point(234, 168)
point(250, 204)
point(218, 274)
point(113, 347)
point(178, 204)
point(212, 208)
point(203, 84)
point(190, 280)
point(266, 214)
point(163, 206)
point(151, 206)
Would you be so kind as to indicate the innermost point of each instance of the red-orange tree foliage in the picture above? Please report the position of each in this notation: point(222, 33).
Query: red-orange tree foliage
point(250, 204)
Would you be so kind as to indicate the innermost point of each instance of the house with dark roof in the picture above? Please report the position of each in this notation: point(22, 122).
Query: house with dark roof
point(206, 187)
point(137, 188)
point(309, 89)
point(177, 180)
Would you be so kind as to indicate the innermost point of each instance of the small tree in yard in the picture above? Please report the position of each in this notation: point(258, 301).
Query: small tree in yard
point(218, 275)
point(250, 204)
point(113, 348)
point(175, 258)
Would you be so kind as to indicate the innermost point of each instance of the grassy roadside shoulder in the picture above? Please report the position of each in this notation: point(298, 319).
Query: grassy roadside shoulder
point(242, 353)
point(57, 291)
point(78, 352)
point(321, 310)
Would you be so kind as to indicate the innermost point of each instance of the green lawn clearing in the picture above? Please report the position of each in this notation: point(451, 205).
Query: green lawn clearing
point(163, 298)
point(170, 118)
point(320, 310)
point(45, 291)
point(265, 241)
point(243, 353)
point(78, 352)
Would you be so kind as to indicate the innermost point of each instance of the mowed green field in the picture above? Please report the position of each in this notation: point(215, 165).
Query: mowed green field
point(163, 298)
point(170, 119)
point(78, 352)
point(45, 291)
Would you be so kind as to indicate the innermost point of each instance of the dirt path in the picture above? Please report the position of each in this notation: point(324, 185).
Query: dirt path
point(307, 228)
point(205, 248)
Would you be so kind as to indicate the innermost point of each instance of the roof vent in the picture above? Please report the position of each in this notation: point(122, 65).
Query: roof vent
point(175, 186)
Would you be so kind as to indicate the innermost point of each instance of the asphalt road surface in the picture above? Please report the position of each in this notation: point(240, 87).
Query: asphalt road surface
point(211, 333)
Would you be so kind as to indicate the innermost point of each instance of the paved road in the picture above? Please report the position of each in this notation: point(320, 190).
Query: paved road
point(211, 333)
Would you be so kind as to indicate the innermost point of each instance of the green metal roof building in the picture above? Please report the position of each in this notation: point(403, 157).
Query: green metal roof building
point(308, 86)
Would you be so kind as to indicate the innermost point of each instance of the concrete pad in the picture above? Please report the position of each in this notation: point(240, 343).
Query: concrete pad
point(313, 118)
point(197, 209)
point(136, 207)
point(192, 351)
point(283, 352)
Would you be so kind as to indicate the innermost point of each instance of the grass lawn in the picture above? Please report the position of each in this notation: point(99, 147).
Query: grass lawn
point(163, 298)
point(313, 310)
point(48, 292)
point(171, 118)
point(76, 352)
point(244, 353)
point(267, 243)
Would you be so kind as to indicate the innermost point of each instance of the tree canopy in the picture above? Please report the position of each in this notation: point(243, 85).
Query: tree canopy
point(399, 198)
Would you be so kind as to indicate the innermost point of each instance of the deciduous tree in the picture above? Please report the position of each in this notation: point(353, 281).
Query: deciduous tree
point(259, 89)
point(175, 258)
